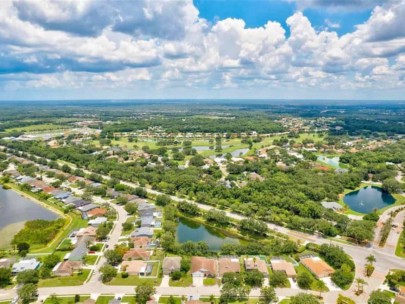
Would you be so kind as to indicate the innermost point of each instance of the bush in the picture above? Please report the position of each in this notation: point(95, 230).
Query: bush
point(176, 275)
point(124, 275)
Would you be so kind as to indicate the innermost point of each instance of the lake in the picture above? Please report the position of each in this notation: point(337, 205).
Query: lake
point(15, 210)
point(366, 199)
point(333, 161)
point(191, 231)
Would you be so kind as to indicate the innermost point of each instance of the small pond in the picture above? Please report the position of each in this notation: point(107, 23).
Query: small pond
point(333, 161)
point(191, 231)
point(366, 199)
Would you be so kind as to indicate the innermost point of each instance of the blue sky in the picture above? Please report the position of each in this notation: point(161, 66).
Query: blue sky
point(292, 49)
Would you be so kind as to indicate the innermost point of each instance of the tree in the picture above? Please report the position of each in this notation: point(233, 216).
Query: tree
point(391, 185)
point(131, 208)
point(304, 298)
point(371, 259)
point(50, 261)
point(5, 277)
point(176, 275)
point(343, 277)
point(379, 297)
point(171, 300)
point(304, 280)
point(320, 285)
point(254, 278)
point(28, 293)
point(278, 279)
point(102, 231)
point(23, 248)
point(359, 285)
point(113, 257)
point(361, 231)
point(163, 200)
point(143, 293)
point(108, 272)
point(27, 277)
point(268, 295)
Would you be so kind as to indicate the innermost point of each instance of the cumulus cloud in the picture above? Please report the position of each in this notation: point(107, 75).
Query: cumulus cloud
point(118, 44)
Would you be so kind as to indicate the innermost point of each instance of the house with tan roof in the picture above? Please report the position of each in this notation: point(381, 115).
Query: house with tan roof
point(66, 268)
point(255, 263)
point(141, 241)
point(203, 267)
point(136, 267)
point(137, 254)
point(171, 264)
point(284, 266)
point(317, 266)
point(89, 231)
point(228, 265)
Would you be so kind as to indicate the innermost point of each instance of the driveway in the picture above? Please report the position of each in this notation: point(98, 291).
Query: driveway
point(198, 281)
point(331, 286)
point(165, 281)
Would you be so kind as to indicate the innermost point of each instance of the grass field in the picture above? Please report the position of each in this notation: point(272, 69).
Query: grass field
point(91, 259)
point(185, 281)
point(66, 300)
point(39, 127)
point(134, 281)
point(399, 250)
point(74, 280)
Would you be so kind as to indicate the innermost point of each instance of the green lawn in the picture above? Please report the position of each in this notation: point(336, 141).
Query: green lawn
point(185, 281)
point(166, 299)
point(74, 280)
point(128, 299)
point(300, 269)
point(66, 300)
point(91, 259)
point(134, 281)
point(210, 281)
point(399, 250)
point(104, 299)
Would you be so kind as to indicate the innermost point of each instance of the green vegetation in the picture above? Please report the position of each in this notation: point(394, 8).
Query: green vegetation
point(74, 280)
point(65, 300)
point(134, 281)
point(104, 299)
point(38, 232)
point(210, 281)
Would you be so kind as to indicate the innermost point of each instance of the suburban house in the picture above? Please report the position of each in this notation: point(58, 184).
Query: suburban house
point(29, 264)
point(147, 221)
point(258, 264)
point(142, 231)
point(80, 250)
point(228, 265)
point(137, 254)
point(146, 209)
point(141, 242)
point(89, 231)
point(284, 266)
point(204, 267)
point(97, 221)
point(96, 212)
point(88, 207)
point(171, 264)
point(136, 267)
point(317, 266)
point(66, 268)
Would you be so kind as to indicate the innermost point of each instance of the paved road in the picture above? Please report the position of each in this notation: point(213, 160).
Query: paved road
point(385, 257)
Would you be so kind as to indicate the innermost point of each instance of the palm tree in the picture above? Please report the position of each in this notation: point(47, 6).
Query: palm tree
point(360, 284)
point(371, 259)
point(369, 269)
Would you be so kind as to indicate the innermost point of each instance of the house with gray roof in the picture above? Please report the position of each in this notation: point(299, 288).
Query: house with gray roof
point(88, 207)
point(28, 264)
point(142, 231)
point(147, 221)
point(80, 250)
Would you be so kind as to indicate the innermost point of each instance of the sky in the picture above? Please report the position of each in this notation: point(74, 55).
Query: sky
point(213, 49)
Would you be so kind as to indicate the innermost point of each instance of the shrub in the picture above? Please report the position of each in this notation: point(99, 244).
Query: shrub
point(124, 274)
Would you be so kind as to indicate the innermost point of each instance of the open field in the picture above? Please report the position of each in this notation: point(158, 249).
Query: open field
point(39, 127)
